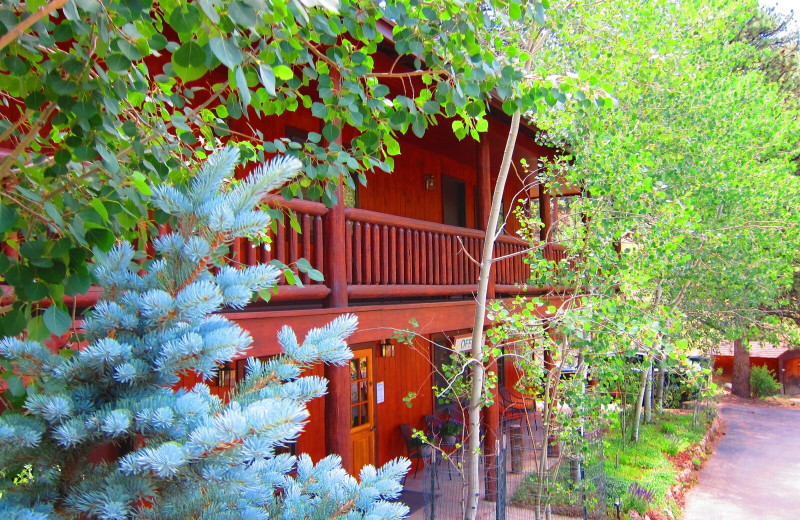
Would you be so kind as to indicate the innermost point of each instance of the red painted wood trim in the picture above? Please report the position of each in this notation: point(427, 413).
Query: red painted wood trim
point(357, 272)
point(307, 292)
point(400, 291)
point(373, 217)
point(393, 254)
point(305, 226)
point(305, 207)
point(367, 253)
point(82, 300)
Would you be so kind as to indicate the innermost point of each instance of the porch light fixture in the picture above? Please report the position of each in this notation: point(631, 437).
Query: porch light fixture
point(430, 183)
point(387, 348)
point(225, 375)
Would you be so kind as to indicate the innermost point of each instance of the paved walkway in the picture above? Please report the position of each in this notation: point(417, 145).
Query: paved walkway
point(755, 470)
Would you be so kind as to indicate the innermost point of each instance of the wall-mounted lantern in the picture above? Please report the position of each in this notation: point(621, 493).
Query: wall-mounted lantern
point(226, 374)
point(430, 183)
point(387, 348)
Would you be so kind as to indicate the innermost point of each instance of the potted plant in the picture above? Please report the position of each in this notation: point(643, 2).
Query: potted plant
point(421, 443)
point(450, 429)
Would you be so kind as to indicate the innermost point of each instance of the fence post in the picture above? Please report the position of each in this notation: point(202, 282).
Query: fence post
point(433, 485)
point(500, 472)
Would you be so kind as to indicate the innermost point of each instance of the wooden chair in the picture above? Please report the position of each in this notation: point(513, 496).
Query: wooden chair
point(450, 449)
point(413, 450)
point(517, 405)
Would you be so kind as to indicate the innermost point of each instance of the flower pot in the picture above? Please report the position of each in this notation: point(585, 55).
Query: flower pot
point(426, 450)
point(449, 439)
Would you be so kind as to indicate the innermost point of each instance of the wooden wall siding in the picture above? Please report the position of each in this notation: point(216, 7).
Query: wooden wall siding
point(408, 371)
point(312, 440)
point(402, 193)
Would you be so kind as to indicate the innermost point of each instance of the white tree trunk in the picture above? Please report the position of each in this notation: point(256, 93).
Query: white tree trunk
point(476, 355)
point(648, 396)
point(637, 412)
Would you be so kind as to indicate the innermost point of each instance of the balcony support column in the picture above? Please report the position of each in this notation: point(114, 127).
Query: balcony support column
point(337, 401)
point(545, 214)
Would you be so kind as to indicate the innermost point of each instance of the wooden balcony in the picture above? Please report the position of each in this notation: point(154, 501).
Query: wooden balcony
point(388, 257)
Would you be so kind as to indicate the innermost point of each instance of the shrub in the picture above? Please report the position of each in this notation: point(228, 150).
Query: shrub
point(637, 498)
point(616, 487)
point(669, 428)
point(762, 382)
point(672, 446)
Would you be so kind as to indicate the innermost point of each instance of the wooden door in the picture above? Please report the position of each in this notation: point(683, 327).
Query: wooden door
point(792, 376)
point(362, 410)
point(454, 202)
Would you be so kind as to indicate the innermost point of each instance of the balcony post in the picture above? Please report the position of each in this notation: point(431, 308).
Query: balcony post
point(545, 213)
point(337, 401)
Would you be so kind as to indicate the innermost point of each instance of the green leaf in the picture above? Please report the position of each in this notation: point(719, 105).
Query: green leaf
point(267, 77)
point(56, 320)
point(117, 62)
point(35, 291)
point(330, 132)
point(102, 238)
point(430, 107)
point(15, 385)
point(8, 217)
point(539, 9)
point(98, 206)
point(304, 265)
point(36, 329)
point(54, 273)
point(12, 322)
point(208, 8)
point(185, 21)
point(77, 283)
point(283, 72)
point(242, 14)
point(140, 182)
point(189, 61)
point(241, 85)
point(226, 51)
point(129, 50)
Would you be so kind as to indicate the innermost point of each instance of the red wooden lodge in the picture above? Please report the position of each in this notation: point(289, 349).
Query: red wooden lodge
point(392, 252)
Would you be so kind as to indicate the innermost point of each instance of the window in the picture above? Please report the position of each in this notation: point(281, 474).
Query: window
point(564, 217)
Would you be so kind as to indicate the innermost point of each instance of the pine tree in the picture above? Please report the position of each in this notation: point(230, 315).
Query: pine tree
point(182, 453)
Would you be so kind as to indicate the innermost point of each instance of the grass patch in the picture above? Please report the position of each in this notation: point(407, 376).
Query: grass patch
point(646, 464)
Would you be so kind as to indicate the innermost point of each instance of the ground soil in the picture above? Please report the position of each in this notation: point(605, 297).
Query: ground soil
point(685, 462)
point(777, 401)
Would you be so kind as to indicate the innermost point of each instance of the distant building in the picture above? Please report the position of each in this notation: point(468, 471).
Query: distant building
point(782, 360)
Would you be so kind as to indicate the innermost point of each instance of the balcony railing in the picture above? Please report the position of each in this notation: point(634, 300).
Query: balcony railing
point(387, 257)
point(390, 257)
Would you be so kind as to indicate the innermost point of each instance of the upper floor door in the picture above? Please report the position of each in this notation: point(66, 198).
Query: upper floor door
point(454, 202)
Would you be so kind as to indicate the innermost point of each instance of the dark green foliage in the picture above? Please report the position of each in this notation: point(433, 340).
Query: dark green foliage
point(763, 383)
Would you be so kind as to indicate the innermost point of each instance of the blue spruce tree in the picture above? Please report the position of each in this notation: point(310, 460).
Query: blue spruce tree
point(183, 453)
